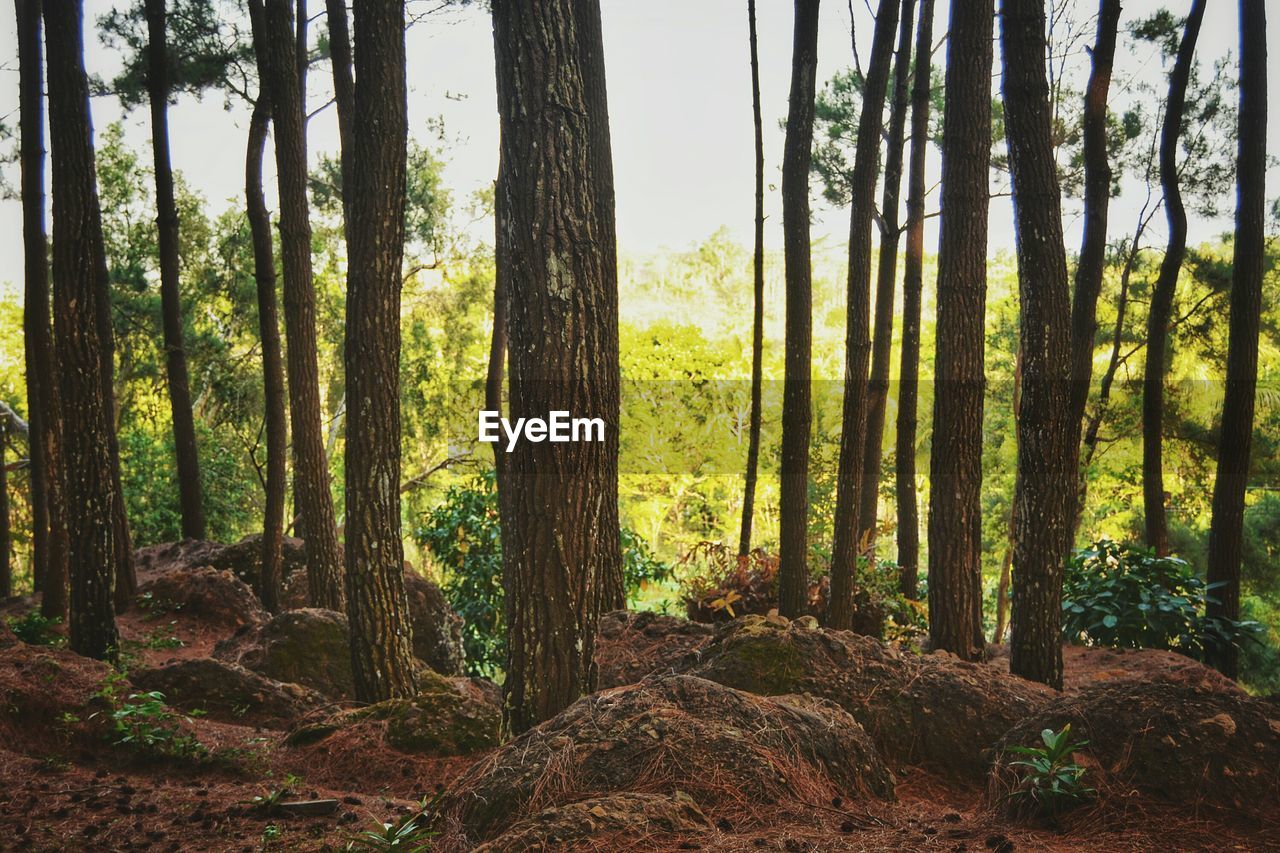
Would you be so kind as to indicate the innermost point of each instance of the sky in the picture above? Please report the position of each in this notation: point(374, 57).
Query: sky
point(679, 103)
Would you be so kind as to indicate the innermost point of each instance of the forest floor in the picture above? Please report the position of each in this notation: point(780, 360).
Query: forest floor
point(65, 783)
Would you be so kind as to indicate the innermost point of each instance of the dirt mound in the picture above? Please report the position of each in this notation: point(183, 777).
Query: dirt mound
point(243, 558)
point(729, 751)
point(1180, 743)
point(628, 817)
point(1086, 667)
point(633, 645)
point(217, 598)
point(918, 708)
point(229, 692)
point(48, 697)
point(310, 647)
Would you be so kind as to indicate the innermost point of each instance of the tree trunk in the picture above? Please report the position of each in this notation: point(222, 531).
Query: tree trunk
point(6, 564)
point(1048, 437)
point(1157, 524)
point(377, 607)
point(184, 428)
point(797, 395)
point(278, 62)
point(560, 543)
point(343, 95)
point(1006, 565)
point(912, 291)
point(1234, 441)
point(79, 295)
point(886, 279)
point(757, 317)
point(849, 542)
point(955, 469)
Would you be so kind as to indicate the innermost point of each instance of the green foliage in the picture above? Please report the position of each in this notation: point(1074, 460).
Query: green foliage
point(639, 565)
point(1125, 596)
point(1051, 782)
point(413, 832)
point(145, 722)
point(36, 630)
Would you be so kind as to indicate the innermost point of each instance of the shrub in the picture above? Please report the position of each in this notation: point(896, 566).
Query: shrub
point(36, 630)
point(720, 585)
point(1050, 781)
point(144, 722)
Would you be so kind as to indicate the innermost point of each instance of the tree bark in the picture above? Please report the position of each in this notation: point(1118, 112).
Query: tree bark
point(955, 506)
point(343, 95)
point(277, 60)
point(6, 564)
point(496, 369)
point(1048, 436)
point(1157, 524)
point(555, 236)
point(886, 280)
point(912, 292)
point(757, 291)
point(849, 543)
point(80, 292)
point(184, 429)
point(797, 395)
point(377, 607)
point(1235, 438)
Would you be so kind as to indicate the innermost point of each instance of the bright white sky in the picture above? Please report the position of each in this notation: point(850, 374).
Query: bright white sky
point(680, 111)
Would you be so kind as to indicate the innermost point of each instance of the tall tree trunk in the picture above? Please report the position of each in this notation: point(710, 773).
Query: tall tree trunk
point(48, 511)
point(184, 428)
point(797, 394)
point(6, 564)
point(912, 291)
point(79, 295)
point(377, 607)
point(560, 543)
point(343, 95)
point(757, 293)
point(1048, 436)
point(277, 59)
point(862, 185)
point(955, 466)
point(886, 279)
point(1236, 437)
point(1157, 524)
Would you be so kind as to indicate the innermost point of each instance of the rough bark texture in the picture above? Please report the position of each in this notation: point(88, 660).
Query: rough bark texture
point(496, 370)
point(277, 61)
point(1242, 350)
point(912, 291)
point(797, 415)
point(184, 429)
point(757, 316)
point(377, 608)
point(1159, 315)
point(6, 566)
point(886, 279)
point(555, 238)
point(849, 540)
point(343, 94)
point(955, 508)
point(79, 294)
point(48, 511)
point(1048, 437)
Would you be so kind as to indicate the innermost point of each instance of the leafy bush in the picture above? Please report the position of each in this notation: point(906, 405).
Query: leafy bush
point(720, 585)
point(1051, 782)
point(36, 630)
point(1125, 596)
point(144, 722)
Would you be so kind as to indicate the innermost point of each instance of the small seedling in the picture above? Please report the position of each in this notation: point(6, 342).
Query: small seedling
point(1051, 781)
point(413, 832)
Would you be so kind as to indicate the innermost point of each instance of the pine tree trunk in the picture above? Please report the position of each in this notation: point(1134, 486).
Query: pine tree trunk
point(1048, 436)
point(797, 395)
point(1235, 439)
point(849, 541)
point(79, 296)
point(912, 292)
point(377, 607)
point(955, 470)
point(886, 280)
point(6, 564)
point(184, 429)
point(278, 61)
point(757, 291)
point(496, 369)
point(343, 94)
point(1160, 313)
point(560, 542)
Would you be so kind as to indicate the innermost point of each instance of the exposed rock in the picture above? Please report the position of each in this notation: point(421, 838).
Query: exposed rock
point(228, 692)
point(310, 647)
point(633, 645)
point(243, 558)
point(729, 751)
point(629, 818)
point(216, 598)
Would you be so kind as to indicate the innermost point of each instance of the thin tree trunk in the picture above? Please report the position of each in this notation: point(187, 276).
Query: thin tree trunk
point(886, 279)
point(1157, 524)
point(277, 59)
point(757, 318)
point(1006, 565)
point(80, 293)
point(1235, 439)
point(849, 543)
point(955, 467)
point(560, 543)
point(1048, 436)
point(377, 607)
point(6, 565)
point(912, 292)
point(343, 94)
point(797, 395)
point(184, 429)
